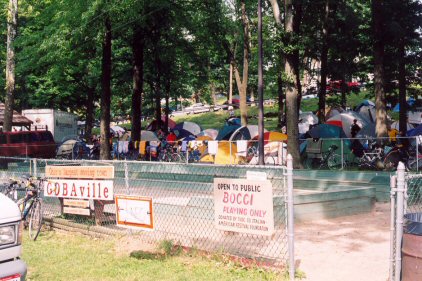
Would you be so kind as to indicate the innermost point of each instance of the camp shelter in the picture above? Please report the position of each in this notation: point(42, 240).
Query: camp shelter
point(186, 129)
point(272, 137)
point(330, 135)
point(333, 111)
point(345, 121)
point(148, 136)
point(17, 119)
point(202, 139)
point(226, 132)
point(367, 132)
point(396, 126)
point(245, 133)
point(366, 109)
point(212, 133)
point(153, 126)
point(226, 154)
point(306, 119)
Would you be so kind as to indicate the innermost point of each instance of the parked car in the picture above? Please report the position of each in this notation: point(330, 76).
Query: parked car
point(12, 268)
point(38, 144)
point(197, 108)
point(335, 86)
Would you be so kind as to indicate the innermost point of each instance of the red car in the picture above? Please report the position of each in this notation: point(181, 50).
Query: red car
point(37, 144)
point(335, 86)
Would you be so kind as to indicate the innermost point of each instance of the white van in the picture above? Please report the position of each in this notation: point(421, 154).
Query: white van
point(12, 268)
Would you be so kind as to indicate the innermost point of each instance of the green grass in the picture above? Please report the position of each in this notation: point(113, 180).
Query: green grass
point(69, 256)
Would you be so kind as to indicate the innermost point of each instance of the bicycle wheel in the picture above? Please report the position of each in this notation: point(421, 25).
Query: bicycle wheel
point(269, 160)
point(334, 162)
point(175, 157)
point(35, 220)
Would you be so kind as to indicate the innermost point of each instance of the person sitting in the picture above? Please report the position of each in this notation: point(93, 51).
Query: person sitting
point(171, 138)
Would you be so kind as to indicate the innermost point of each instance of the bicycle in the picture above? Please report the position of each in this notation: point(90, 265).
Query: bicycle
point(329, 159)
point(252, 157)
point(169, 153)
point(31, 206)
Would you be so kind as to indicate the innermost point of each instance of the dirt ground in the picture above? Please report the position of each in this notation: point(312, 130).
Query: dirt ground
point(353, 248)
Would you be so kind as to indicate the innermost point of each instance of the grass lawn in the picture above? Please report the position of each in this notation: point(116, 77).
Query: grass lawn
point(70, 256)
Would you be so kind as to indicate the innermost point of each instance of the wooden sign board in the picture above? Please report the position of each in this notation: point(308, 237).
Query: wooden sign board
point(80, 172)
point(79, 189)
point(77, 211)
point(76, 203)
point(134, 212)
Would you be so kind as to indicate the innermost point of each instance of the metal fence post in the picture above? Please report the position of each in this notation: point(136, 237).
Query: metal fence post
point(127, 179)
point(417, 153)
point(290, 219)
point(35, 167)
point(342, 154)
point(399, 217)
point(393, 181)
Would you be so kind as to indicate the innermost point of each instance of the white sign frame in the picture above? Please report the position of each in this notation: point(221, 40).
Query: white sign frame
point(244, 206)
point(134, 212)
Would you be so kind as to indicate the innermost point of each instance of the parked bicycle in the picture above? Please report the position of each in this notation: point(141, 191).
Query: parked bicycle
point(169, 153)
point(329, 159)
point(31, 204)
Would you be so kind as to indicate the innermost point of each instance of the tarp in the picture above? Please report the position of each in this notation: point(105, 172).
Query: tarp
point(245, 133)
point(224, 155)
point(345, 121)
point(191, 127)
point(153, 125)
point(148, 136)
point(226, 132)
point(415, 132)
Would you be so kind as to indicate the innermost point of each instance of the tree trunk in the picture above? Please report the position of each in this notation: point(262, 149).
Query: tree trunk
point(291, 90)
point(157, 89)
point(230, 96)
point(12, 26)
point(344, 90)
point(213, 96)
point(324, 64)
point(280, 97)
point(260, 89)
point(138, 81)
point(244, 85)
point(106, 93)
point(381, 114)
point(89, 114)
point(168, 87)
point(297, 18)
point(402, 88)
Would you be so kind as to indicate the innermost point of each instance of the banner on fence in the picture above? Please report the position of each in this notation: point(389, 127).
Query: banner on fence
point(244, 206)
point(79, 189)
point(134, 212)
point(80, 172)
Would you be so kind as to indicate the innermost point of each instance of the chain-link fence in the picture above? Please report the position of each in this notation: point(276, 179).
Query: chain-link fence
point(406, 198)
point(183, 205)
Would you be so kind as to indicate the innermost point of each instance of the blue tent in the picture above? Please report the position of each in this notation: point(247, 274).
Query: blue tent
point(415, 132)
point(226, 132)
point(410, 102)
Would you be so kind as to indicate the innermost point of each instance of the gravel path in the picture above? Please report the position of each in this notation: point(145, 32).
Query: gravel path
point(351, 248)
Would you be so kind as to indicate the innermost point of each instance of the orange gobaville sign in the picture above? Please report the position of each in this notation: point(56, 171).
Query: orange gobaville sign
point(80, 172)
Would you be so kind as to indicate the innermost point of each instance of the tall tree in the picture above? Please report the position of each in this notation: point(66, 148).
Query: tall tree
point(106, 92)
point(12, 26)
point(381, 113)
point(138, 80)
point(324, 62)
point(292, 91)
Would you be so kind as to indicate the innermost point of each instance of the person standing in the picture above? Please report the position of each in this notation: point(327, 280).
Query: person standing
point(355, 128)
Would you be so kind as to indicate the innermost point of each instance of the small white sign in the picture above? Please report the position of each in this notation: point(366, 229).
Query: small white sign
point(253, 175)
point(134, 212)
point(244, 206)
point(77, 211)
